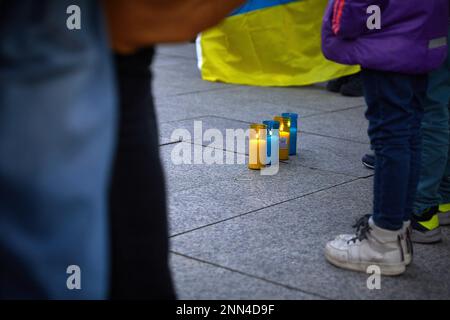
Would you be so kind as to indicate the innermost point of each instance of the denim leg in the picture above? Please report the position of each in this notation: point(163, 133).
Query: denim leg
point(433, 185)
point(420, 90)
point(392, 125)
point(444, 189)
point(57, 120)
point(138, 212)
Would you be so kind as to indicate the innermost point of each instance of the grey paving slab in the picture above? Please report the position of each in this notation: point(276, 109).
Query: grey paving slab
point(313, 151)
point(176, 73)
point(181, 109)
point(196, 280)
point(161, 60)
point(345, 124)
point(330, 154)
point(167, 82)
point(169, 130)
point(228, 103)
point(284, 243)
point(185, 50)
point(188, 175)
point(312, 97)
point(245, 191)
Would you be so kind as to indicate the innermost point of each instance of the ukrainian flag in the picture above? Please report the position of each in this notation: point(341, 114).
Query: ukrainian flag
point(269, 43)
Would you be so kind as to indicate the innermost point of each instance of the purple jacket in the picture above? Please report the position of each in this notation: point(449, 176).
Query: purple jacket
point(412, 38)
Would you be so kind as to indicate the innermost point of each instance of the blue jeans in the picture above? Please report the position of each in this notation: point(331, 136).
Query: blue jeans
point(395, 113)
point(57, 129)
point(434, 183)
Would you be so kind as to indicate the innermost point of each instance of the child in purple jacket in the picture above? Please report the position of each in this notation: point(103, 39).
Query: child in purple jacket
point(397, 43)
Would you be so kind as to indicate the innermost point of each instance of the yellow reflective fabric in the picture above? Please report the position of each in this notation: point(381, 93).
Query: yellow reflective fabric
point(431, 224)
point(444, 207)
point(275, 46)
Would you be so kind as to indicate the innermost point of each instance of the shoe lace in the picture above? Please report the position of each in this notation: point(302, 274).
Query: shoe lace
point(362, 222)
point(361, 234)
point(362, 228)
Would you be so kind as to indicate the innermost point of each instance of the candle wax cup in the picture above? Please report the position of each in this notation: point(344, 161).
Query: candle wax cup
point(293, 123)
point(257, 153)
point(284, 145)
point(271, 139)
point(293, 142)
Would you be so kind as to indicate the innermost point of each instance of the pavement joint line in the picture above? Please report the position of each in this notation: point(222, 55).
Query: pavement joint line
point(279, 284)
point(197, 91)
point(281, 161)
point(221, 149)
point(170, 143)
point(322, 169)
point(247, 122)
point(266, 207)
point(317, 113)
point(186, 119)
point(187, 93)
point(284, 162)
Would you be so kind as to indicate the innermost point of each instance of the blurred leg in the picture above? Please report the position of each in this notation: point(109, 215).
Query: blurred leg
point(435, 131)
point(57, 116)
point(137, 199)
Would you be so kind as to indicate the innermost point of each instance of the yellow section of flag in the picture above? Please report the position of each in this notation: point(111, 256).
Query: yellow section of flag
point(275, 46)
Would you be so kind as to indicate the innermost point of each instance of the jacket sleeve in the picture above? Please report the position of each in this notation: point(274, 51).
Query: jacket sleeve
point(350, 16)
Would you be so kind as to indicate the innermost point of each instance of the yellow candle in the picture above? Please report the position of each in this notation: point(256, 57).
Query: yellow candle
point(284, 137)
point(284, 145)
point(257, 146)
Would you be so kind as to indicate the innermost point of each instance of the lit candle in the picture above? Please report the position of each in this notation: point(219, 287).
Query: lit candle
point(284, 137)
point(272, 140)
point(293, 132)
point(257, 153)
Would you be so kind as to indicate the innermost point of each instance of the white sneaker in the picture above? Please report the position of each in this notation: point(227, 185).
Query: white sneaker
point(406, 242)
point(370, 246)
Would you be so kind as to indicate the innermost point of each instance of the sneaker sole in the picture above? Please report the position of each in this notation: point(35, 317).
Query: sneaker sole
point(444, 218)
point(430, 237)
point(347, 237)
point(386, 269)
point(368, 166)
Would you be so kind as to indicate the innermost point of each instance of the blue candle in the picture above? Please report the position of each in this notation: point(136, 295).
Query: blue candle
point(272, 137)
point(293, 132)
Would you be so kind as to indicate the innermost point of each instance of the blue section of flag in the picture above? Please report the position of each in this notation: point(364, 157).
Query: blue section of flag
point(252, 5)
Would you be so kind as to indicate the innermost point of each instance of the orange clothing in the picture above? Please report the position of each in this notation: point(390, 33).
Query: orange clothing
point(139, 23)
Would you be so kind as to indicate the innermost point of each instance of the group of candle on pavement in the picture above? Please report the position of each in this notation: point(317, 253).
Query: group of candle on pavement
point(272, 140)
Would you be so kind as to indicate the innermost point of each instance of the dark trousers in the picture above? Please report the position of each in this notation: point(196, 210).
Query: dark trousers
point(139, 247)
point(395, 113)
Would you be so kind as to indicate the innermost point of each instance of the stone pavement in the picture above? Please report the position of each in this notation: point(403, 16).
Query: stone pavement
point(238, 235)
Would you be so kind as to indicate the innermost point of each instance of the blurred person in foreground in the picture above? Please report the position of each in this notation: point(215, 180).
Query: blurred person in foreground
point(137, 195)
point(57, 132)
point(58, 135)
